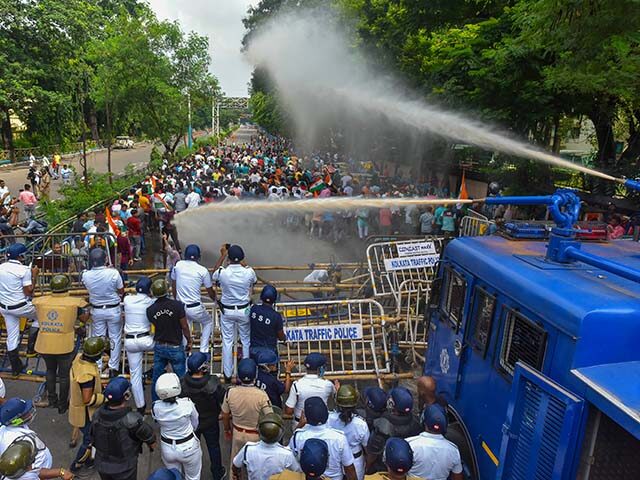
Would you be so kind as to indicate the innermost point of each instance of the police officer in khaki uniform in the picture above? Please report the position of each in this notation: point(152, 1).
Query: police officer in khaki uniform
point(242, 406)
point(57, 315)
point(86, 395)
point(267, 457)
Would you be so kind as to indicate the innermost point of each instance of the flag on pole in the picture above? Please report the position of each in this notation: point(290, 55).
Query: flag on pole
point(464, 195)
point(113, 228)
point(317, 186)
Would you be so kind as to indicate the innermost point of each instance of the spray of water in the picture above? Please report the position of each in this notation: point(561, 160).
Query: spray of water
point(319, 78)
point(315, 205)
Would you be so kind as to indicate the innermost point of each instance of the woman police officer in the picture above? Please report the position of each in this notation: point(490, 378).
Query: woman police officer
point(178, 419)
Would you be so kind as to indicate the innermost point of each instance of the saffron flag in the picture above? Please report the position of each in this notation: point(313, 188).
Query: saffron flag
point(463, 189)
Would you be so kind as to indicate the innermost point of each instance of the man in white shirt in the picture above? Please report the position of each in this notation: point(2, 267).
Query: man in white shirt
point(5, 194)
point(435, 457)
point(137, 336)
point(106, 289)
point(340, 456)
point(193, 199)
point(236, 282)
point(187, 277)
point(266, 457)
point(16, 286)
point(310, 385)
point(65, 174)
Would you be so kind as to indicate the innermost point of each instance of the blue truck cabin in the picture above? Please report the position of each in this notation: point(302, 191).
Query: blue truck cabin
point(540, 361)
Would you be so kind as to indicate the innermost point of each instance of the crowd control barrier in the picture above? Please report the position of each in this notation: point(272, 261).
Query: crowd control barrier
point(410, 262)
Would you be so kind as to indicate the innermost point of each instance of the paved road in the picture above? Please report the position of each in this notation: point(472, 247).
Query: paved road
point(242, 135)
point(55, 431)
point(17, 177)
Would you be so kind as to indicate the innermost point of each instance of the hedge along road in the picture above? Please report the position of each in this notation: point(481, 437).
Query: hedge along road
point(15, 177)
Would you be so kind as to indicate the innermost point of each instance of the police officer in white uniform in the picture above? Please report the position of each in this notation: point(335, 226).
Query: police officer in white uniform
point(187, 277)
point(353, 426)
point(137, 336)
point(340, 456)
point(236, 282)
point(266, 457)
point(16, 286)
point(106, 289)
point(435, 457)
point(16, 415)
point(310, 385)
point(178, 420)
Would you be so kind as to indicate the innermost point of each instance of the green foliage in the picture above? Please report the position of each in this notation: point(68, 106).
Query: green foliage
point(111, 64)
point(267, 112)
point(155, 161)
point(77, 197)
point(528, 66)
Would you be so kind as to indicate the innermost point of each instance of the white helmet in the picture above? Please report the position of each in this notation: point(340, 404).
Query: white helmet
point(168, 386)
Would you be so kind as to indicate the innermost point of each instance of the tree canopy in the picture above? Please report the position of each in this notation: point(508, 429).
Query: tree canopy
point(531, 66)
point(109, 67)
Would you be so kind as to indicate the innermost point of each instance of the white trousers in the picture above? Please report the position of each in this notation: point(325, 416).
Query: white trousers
point(359, 464)
point(199, 314)
point(186, 457)
point(135, 348)
point(108, 320)
point(12, 321)
point(232, 322)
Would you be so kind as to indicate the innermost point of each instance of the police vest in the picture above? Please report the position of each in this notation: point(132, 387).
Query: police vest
point(390, 425)
point(369, 415)
point(402, 426)
point(116, 448)
point(57, 314)
point(207, 395)
point(82, 371)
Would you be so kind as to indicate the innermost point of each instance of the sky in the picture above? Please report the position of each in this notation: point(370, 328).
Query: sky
point(221, 21)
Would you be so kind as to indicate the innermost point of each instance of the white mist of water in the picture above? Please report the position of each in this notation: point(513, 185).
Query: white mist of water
point(331, 204)
point(318, 75)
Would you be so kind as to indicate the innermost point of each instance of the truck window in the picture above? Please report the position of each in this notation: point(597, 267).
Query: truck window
point(484, 305)
point(523, 341)
point(454, 293)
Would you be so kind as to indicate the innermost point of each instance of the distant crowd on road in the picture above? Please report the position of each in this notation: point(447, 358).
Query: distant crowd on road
point(266, 168)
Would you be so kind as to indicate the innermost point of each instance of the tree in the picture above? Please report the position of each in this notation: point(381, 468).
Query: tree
point(594, 54)
point(107, 65)
point(38, 44)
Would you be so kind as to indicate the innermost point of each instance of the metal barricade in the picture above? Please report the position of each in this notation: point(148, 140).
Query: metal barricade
point(412, 332)
point(351, 333)
point(472, 226)
point(387, 282)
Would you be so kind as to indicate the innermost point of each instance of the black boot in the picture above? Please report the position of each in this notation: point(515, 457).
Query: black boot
point(16, 363)
point(31, 342)
point(142, 410)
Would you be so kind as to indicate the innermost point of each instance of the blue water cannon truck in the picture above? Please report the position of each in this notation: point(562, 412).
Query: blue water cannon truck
point(535, 344)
